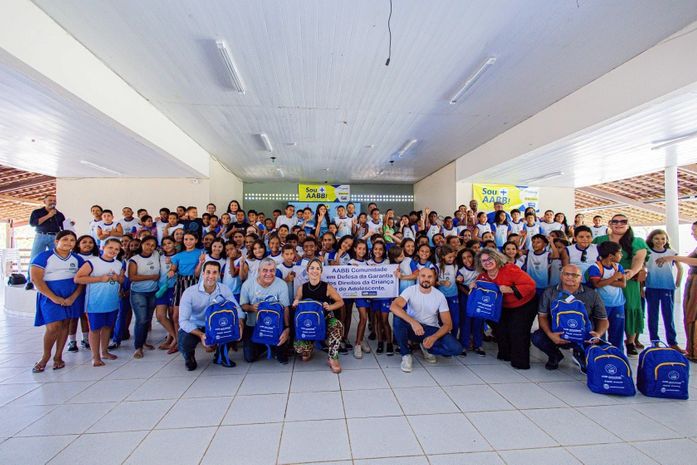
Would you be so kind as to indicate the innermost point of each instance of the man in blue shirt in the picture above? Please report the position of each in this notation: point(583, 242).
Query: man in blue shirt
point(192, 309)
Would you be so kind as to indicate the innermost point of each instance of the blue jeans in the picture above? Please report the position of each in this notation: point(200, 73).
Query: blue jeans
point(540, 340)
point(121, 328)
point(187, 342)
point(42, 242)
point(454, 307)
point(470, 326)
point(143, 305)
point(662, 298)
point(615, 332)
point(446, 345)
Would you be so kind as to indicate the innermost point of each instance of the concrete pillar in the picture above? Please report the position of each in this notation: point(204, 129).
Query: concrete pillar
point(671, 196)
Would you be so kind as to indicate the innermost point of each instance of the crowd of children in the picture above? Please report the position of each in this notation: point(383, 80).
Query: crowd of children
point(140, 265)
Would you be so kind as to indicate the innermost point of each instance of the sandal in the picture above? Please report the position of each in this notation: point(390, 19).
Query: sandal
point(149, 346)
point(334, 365)
point(172, 350)
point(58, 365)
point(138, 353)
point(38, 368)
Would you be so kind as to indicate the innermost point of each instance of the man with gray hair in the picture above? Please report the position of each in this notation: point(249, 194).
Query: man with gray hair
point(267, 285)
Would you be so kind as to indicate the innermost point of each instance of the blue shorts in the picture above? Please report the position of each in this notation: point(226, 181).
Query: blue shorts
point(363, 303)
point(380, 305)
point(102, 320)
point(167, 298)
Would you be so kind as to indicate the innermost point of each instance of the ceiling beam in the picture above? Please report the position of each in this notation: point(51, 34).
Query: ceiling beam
point(20, 200)
point(627, 201)
point(26, 183)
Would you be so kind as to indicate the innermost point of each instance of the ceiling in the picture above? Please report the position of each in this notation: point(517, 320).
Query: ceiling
point(21, 192)
point(621, 149)
point(316, 76)
point(45, 130)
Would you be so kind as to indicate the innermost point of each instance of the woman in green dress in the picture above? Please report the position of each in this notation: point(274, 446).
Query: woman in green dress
point(634, 255)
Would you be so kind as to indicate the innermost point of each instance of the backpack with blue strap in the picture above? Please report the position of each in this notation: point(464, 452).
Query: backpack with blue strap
point(222, 328)
point(310, 323)
point(485, 301)
point(569, 317)
point(269, 324)
point(608, 370)
point(663, 372)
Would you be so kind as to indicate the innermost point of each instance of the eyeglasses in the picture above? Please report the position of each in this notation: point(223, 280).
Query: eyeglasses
point(619, 221)
point(487, 260)
point(571, 275)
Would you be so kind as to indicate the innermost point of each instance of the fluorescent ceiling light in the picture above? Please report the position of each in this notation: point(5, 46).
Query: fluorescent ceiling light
point(472, 79)
point(100, 167)
point(407, 145)
point(234, 75)
point(544, 177)
point(266, 142)
point(674, 140)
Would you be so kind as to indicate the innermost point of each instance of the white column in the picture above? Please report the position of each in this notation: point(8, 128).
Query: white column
point(671, 196)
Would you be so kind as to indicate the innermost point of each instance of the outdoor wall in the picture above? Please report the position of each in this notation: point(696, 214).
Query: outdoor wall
point(224, 186)
point(75, 196)
point(437, 191)
point(272, 195)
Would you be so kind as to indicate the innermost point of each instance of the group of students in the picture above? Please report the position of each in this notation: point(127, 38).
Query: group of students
point(142, 266)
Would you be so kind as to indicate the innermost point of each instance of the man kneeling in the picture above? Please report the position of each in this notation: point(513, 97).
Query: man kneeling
point(419, 323)
point(192, 310)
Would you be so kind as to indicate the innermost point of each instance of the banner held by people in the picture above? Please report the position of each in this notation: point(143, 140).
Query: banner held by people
point(353, 282)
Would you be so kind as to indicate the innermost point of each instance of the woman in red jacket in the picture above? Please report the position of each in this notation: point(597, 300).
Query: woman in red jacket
point(519, 306)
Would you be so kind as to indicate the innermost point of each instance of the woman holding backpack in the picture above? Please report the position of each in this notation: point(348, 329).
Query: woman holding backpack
point(324, 293)
point(519, 305)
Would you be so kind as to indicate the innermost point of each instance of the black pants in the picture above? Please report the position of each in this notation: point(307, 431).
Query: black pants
point(252, 351)
point(513, 334)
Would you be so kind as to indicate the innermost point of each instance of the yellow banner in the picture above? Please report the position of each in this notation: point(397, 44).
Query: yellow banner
point(324, 193)
point(510, 196)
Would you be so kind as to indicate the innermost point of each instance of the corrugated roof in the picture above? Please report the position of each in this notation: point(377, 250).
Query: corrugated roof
point(21, 192)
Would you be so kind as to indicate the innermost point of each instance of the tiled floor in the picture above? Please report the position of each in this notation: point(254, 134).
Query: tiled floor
point(468, 410)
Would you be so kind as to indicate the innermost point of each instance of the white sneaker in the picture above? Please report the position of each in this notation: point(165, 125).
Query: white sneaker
point(428, 356)
point(406, 363)
point(357, 352)
point(366, 347)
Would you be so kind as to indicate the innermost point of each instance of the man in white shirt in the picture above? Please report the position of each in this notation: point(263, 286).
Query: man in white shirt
point(420, 322)
point(288, 219)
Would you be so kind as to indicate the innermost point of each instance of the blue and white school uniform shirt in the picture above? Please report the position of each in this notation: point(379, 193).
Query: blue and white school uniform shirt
point(164, 269)
point(661, 277)
point(186, 262)
point(129, 226)
point(344, 260)
point(282, 271)
point(469, 275)
point(537, 267)
point(449, 232)
point(92, 230)
point(546, 228)
point(103, 297)
point(105, 228)
point(529, 232)
point(373, 227)
point(405, 270)
point(343, 226)
point(500, 234)
point(516, 228)
point(309, 228)
point(598, 230)
point(253, 268)
point(612, 296)
point(582, 258)
point(416, 265)
point(232, 282)
point(59, 273)
point(482, 228)
point(146, 266)
point(447, 273)
point(278, 258)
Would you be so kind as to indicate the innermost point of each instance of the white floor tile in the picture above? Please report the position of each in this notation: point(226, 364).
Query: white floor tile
point(32, 451)
point(267, 408)
point(628, 424)
point(454, 375)
point(170, 446)
point(415, 460)
point(548, 456)
point(314, 406)
point(527, 396)
point(244, 445)
point(349, 362)
point(189, 413)
point(500, 374)
point(678, 415)
point(265, 383)
point(424, 400)
point(17, 417)
point(615, 454)
point(67, 419)
point(474, 458)
point(136, 369)
point(370, 403)
point(133, 416)
point(420, 377)
point(158, 389)
point(362, 379)
point(332, 442)
point(306, 381)
point(89, 448)
point(510, 430)
point(569, 427)
point(577, 394)
point(53, 393)
point(670, 452)
point(10, 392)
point(539, 374)
point(107, 390)
point(382, 437)
point(477, 398)
point(435, 433)
point(214, 386)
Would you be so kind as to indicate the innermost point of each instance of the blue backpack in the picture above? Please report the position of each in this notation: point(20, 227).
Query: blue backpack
point(663, 372)
point(608, 370)
point(485, 301)
point(222, 323)
point(310, 324)
point(269, 325)
point(569, 317)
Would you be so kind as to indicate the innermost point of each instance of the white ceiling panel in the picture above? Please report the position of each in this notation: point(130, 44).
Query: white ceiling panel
point(617, 150)
point(45, 130)
point(316, 76)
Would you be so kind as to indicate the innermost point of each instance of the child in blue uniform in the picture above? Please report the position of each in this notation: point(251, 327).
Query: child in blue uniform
point(607, 276)
point(52, 273)
point(447, 284)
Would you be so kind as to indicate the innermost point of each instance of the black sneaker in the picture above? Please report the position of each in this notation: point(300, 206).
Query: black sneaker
point(579, 359)
point(553, 362)
point(347, 345)
point(72, 346)
point(114, 345)
point(381, 348)
point(342, 348)
point(282, 358)
point(85, 344)
point(190, 363)
point(29, 286)
point(390, 349)
point(463, 353)
point(631, 349)
point(479, 351)
point(372, 336)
